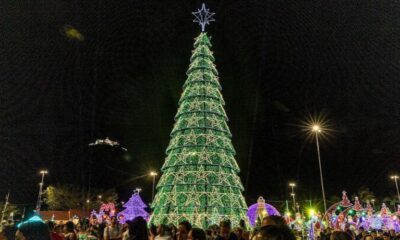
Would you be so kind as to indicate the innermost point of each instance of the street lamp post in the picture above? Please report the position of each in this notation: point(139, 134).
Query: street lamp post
point(5, 208)
point(153, 174)
point(317, 130)
point(39, 201)
point(395, 177)
point(292, 185)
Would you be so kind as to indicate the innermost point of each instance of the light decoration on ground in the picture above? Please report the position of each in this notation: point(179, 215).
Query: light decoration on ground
point(345, 214)
point(260, 210)
point(133, 208)
point(200, 181)
point(106, 211)
point(108, 208)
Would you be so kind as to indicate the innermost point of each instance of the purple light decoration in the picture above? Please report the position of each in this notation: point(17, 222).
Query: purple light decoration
point(252, 212)
point(133, 208)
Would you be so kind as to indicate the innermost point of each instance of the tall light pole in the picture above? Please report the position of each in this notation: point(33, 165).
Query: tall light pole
point(5, 208)
point(292, 185)
point(395, 177)
point(39, 201)
point(153, 174)
point(317, 130)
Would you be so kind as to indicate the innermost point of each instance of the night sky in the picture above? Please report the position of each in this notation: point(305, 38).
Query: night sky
point(278, 61)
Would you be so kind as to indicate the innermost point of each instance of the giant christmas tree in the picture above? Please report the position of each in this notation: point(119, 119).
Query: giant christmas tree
point(200, 180)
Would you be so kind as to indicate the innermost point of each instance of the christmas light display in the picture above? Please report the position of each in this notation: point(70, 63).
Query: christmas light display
point(200, 181)
point(133, 208)
point(260, 210)
point(108, 208)
point(354, 216)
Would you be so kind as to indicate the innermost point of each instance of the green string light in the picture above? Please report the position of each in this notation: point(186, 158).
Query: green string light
point(200, 181)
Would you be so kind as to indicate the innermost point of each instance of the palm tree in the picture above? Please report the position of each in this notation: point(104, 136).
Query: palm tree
point(364, 194)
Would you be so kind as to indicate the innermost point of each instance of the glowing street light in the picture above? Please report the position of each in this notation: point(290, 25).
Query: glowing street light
point(292, 185)
point(316, 129)
point(395, 177)
point(311, 212)
point(153, 174)
point(99, 197)
point(39, 201)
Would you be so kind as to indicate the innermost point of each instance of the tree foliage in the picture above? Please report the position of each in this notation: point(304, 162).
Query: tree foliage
point(64, 197)
point(11, 208)
point(364, 194)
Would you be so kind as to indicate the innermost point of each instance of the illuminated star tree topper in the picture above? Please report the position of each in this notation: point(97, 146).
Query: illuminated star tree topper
point(203, 16)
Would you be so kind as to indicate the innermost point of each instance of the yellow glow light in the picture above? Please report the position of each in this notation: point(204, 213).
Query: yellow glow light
point(316, 128)
point(311, 212)
point(316, 124)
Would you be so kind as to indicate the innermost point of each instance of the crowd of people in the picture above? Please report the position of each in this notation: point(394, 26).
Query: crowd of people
point(272, 228)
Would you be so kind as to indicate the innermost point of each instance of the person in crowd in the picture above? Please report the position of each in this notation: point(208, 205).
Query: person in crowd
point(113, 230)
point(273, 232)
point(196, 234)
point(392, 233)
point(386, 236)
point(163, 232)
point(100, 230)
point(209, 235)
point(273, 220)
point(152, 232)
point(7, 233)
point(225, 231)
point(33, 231)
point(173, 230)
point(379, 234)
point(339, 235)
point(361, 233)
point(93, 232)
point(83, 233)
point(239, 233)
point(183, 230)
point(69, 231)
point(125, 230)
point(374, 234)
point(325, 234)
point(138, 229)
point(54, 235)
point(367, 237)
point(351, 233)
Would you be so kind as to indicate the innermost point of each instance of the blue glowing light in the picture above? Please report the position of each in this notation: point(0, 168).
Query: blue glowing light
point(31, 220)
